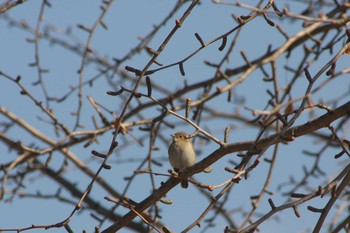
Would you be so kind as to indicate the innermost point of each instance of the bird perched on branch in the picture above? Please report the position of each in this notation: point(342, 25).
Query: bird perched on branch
point(181, 153)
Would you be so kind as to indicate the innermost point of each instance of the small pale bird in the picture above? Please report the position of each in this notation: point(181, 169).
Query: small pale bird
point(181, 154)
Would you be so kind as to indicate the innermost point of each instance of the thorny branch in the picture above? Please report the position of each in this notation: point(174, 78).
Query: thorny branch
point(142, 108)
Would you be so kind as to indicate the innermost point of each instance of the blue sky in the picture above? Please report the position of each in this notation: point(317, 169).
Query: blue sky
point(128, 20)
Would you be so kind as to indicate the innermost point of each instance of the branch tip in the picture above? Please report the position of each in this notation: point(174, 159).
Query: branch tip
point(223, 43)
point(199, 38)
point(98, 154)
point(268, 20)
point(181, 67)
point(149, 86)
point(296, 211)
point(188, 106)
point(271, 204)
point(307, 74)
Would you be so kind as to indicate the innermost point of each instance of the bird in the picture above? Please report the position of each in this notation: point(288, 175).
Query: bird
point(181, 153)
